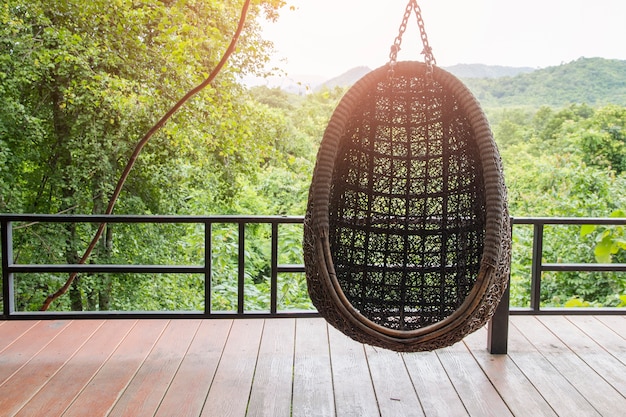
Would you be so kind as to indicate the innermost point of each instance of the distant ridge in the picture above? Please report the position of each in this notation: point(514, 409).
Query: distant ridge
point(593, 81)
point(346, 79)
point(351, 76)
point(486, 71)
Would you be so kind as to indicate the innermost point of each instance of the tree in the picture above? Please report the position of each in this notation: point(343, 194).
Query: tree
point(82, 81)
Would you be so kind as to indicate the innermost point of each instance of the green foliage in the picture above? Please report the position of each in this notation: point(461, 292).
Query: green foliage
point(594, 81)
point(610, 241)
point(82, 82)
point(565, 163)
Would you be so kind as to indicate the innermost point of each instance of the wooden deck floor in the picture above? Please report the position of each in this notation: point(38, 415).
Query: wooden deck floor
point(556, 366)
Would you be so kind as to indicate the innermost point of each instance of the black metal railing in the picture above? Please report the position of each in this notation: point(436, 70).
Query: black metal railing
point(538, 266)
point(9, 268)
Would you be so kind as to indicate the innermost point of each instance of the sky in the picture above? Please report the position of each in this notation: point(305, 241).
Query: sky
point(329, 37)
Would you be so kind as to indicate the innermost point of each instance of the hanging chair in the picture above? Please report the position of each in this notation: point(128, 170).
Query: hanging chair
point(407, 234)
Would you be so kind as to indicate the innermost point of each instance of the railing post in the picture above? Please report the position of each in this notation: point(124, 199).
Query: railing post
point(8, 303)
point(498, 327)
point(208, 265)
point(274, 270)
point(241, 268)
point(535, 277)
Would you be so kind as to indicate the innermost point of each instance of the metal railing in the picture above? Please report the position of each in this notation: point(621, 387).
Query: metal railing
point(538, 266)
point(9, 268)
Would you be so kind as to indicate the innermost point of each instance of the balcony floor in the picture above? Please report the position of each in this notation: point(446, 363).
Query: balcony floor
point(556, 366)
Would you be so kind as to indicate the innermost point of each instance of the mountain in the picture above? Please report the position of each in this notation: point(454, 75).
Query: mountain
point(486, 71)
point(593, 81)
point(299, 84)
point(348, 78)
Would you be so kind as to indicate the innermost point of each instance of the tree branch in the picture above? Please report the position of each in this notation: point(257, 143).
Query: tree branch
point(140, 146)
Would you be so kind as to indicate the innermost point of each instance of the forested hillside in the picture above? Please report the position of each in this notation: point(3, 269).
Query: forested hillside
point(74, 101)
point(593, 81)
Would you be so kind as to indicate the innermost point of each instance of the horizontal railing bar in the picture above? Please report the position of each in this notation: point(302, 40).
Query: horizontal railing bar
point(574, 311)
point(584, 267)
point(122, 218)
point(84, 315)
point(290, 268)
point(117, 218)
point(93, 268)
point(570, 220)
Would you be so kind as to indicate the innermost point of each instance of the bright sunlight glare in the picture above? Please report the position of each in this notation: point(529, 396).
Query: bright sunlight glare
point(329, 37)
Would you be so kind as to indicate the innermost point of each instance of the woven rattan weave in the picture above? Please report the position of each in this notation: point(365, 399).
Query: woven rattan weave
point(407, 236)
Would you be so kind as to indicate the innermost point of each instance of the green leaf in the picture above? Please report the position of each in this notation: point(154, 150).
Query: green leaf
point(586, 229)
point(603, 250)
point(576, 302)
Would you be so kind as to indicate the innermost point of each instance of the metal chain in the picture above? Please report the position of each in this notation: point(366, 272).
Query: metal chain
point(395, 48)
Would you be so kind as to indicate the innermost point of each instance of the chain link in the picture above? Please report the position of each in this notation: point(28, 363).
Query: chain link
point(395, 48)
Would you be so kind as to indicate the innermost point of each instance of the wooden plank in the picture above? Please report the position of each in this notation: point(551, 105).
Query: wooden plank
point(28, 380)
point(147, 388)
point(392, 384)
point(18, 353)
point(229, 393)
point(616, 322)
point(598, 354)
point(61, 390)
point(312, 379)
point(518, 392)
point(12, 330)
point(271, 390)
point(101, 393)
point(603, 396)
point(474, 388)
point(433, 386)
point(557, 390)
point(189, 389)
point(354, 392)
point(615, 340)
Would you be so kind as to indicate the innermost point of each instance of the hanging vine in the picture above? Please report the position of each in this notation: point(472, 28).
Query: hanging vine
point(138, 148)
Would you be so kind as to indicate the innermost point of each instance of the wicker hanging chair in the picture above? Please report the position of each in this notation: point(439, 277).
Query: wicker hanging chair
point(407, 234)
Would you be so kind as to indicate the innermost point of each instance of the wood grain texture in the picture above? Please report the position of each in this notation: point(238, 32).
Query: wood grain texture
point(190, 387)
point(394, 390)
point(16, 354)
point(558, 391)
point(147, 388)
point(608, 401)
point(230, 390)
point(312, 375)
point(519, 394)
point(556, 366)
point(11, 331)
point(272, 386)
point(354, 392)
point(65, 385)
point(17, 390)
point(476, 390)
point(104, 389)
point(433, 386)
point(614, 341)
